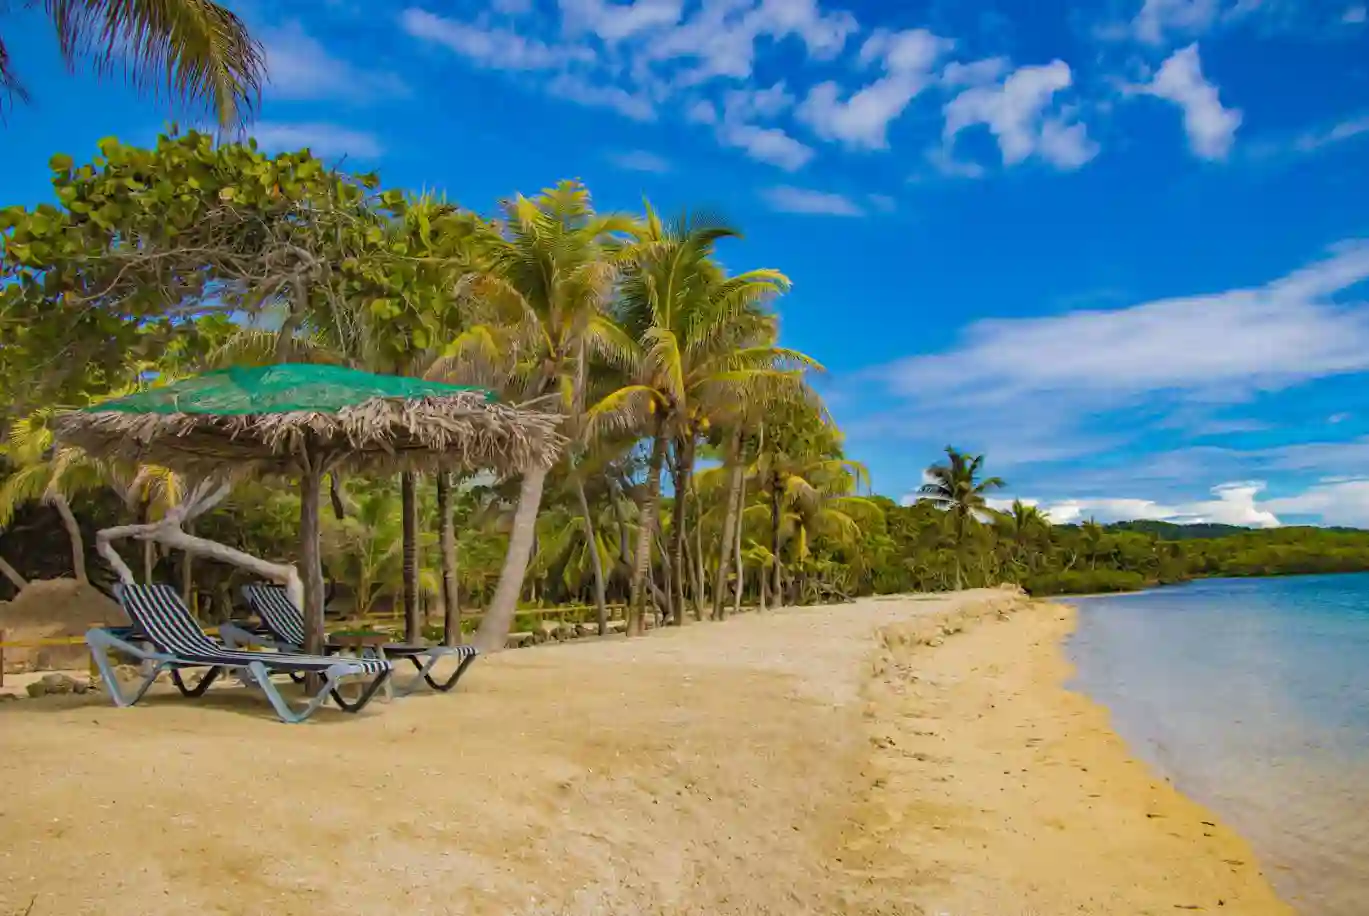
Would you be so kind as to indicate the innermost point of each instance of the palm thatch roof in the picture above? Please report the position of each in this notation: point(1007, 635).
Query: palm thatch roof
point(283, 418)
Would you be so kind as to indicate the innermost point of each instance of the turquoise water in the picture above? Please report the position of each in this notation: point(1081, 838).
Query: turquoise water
point(1252, 695)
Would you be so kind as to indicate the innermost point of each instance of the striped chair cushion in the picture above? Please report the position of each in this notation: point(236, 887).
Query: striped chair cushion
point(158, 612)
point(277, 611)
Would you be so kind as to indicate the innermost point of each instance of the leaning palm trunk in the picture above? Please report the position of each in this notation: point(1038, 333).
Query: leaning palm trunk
point(596, 563)
point(646, 529)
point(494, 627)
point(78, 544)
point(451, 601)
point(726, 547)
point(408, 498)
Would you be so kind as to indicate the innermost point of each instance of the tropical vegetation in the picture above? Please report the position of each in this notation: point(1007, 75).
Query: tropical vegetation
point(702, 471)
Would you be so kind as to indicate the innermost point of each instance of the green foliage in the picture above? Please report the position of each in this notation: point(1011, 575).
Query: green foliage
point(157, 263)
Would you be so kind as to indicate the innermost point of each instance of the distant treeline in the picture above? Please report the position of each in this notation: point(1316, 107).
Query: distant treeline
point(916, 550)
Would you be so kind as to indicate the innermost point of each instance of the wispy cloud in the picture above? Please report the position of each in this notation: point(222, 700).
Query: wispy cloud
point(1040, 394)
point(789, 199)
point(640, 161)
point(328, 141)
point(861, 121)
point(301, 68)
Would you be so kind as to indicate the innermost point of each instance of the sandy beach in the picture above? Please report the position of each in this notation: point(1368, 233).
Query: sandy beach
point(906, 756)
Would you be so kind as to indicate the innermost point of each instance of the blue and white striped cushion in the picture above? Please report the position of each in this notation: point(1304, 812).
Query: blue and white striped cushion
point(277, 611)
point(157, 611)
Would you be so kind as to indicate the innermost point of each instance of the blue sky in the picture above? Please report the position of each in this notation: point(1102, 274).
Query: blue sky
point(1119, 248)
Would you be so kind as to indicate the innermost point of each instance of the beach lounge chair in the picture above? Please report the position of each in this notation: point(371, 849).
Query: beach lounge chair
point(283, 628)
point(165, 635)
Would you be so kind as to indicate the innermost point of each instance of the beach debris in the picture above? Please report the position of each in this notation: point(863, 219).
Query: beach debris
point(55, 684)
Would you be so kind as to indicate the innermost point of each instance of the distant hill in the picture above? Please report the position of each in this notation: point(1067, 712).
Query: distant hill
point(1169, 531)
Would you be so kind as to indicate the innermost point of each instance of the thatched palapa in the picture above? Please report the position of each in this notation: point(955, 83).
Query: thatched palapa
point(281, 419)
point(307, 420)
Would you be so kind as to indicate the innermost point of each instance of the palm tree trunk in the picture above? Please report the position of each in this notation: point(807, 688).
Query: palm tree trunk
point(12, 574)
point(725, 549)
point(451, 601)
point(78, 544)
point(596, 562)
point(408, 498)
point(737, 547)
point(765, 586)
point(680, 475)
point(494, 627)
point(700, 593)
point(776, 518)
point(646, 527)
point(310, 485)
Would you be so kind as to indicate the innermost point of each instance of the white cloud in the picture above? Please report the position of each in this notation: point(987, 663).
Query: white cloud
point(1211, 128)
point(614, 22)
point(1158, 20)
point(945, 162)
point(487, 46)
point(1221, 345)
point(975, 73)
point(577, 89)
point(1349, 129)
point(734, 127)
point(862, 120)
point(788, 199)
point(1332, 501)
point(641, 161)
point(1234, 504)
point(721, 37)
point(1355, 15)
point(300, 68)
point(1040, 392)
point(767, 144)
point(1018, 112)
point(325, 140)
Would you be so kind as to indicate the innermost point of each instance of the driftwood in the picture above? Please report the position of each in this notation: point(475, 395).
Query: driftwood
point(169, 531)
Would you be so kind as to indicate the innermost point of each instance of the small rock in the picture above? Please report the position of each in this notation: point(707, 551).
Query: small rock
point(56, 683)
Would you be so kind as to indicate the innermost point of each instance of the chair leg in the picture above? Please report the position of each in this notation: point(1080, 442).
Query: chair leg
point(366, 695)
point(100, 645)
point(425, 673)
point(198, 690)
point(332, 677)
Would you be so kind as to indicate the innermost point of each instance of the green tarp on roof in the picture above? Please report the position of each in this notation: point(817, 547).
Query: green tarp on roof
point(282, 388)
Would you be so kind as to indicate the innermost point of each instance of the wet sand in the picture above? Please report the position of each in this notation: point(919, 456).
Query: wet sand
point(913, 756)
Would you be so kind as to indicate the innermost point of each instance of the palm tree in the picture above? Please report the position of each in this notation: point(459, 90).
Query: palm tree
point(546, 273)
point(705, 346)
point(195, 50)
point(1024, 521)
point(954, 487)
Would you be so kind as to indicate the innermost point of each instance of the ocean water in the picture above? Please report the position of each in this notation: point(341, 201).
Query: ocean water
point(1252, 696)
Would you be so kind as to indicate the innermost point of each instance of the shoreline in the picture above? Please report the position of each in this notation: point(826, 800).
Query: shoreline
point(1005, 792)
point(915, 756)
